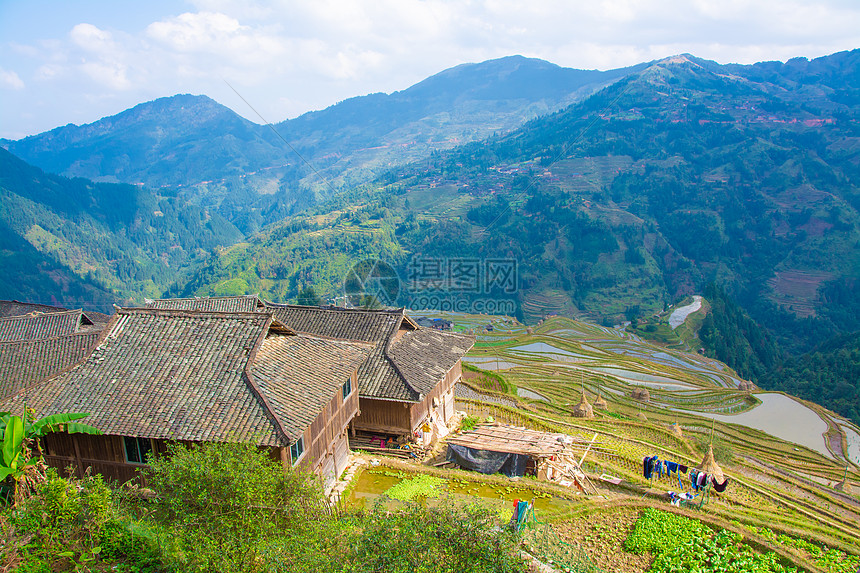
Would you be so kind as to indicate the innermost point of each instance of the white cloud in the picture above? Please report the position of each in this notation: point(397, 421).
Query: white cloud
point(10, 79)
point(91, 38)
point(101, 58)
point(211, 33)
point(291, 56)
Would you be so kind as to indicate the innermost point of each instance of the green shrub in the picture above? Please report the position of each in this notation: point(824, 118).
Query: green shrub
point(219, 505)
point(469, 423)
point(74, 524)
point(443, 539)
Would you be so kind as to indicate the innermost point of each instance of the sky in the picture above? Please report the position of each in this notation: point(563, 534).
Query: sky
point(76, 61)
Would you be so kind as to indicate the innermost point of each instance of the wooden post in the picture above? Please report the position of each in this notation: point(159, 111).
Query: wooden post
point(285, 458)
point(78, 455)
point(587, 450)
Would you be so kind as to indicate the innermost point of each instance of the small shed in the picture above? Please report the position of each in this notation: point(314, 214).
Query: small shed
point(511, 450)
point(516, 451)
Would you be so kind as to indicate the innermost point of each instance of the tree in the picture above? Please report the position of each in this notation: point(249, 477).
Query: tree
point(309, 297)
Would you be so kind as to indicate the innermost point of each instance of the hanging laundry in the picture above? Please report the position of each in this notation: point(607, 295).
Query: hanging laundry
point(721, 487)
point(694, 474)
point(682, 468)
point(671, 467)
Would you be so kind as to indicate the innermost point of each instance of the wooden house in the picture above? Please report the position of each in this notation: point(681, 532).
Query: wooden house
point(407, 380)
point(409, 377)
point(197, 376)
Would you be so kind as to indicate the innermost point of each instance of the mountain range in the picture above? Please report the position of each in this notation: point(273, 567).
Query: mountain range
point(616, 192)
point(257, 174)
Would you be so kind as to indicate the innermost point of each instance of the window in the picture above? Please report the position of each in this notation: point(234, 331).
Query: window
point(347, 388)
point(297, 449)
point(137, 450)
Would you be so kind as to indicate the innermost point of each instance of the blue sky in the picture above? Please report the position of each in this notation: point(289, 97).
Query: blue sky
point(74, 62)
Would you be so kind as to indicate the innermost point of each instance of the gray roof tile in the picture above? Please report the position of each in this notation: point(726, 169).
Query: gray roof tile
point(397, 369)
point(38, 326)
point(184, 375)
point(26, 362)
point(245, 303)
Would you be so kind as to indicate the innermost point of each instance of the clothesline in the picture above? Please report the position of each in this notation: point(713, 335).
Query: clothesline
point(698, 479)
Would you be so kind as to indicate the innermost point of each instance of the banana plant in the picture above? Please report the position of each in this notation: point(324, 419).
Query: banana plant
point(19, 431)
point(53, 423)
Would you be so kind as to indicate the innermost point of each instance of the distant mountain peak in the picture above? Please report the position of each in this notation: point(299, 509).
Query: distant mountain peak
point(677, 59)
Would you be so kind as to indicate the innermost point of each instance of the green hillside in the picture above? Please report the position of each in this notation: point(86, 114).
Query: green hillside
point(673, 177)
point(78, 243)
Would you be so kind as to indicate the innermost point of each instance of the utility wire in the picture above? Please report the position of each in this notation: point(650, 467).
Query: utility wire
point(281, 137)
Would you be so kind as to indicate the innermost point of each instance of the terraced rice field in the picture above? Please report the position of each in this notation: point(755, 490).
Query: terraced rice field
point(771, 446)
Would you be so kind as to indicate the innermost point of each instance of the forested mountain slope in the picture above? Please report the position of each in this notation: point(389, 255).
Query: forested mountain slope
point(73, 241)
point(680, 174)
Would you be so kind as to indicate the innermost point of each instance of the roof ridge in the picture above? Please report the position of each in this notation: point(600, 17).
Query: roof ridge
point(388, 345)
point(192, 312)
point(39, 313)
point(333, 308)
point(252, 385)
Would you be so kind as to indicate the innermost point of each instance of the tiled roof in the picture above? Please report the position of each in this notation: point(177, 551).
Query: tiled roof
point(245, 303)
point(388, 373)
point(300, 374)
point(26, 362)
point(377, 376)
point(184, 375)
point(17, 308)
point(344, 323)
point(426, 355)
point(39, 326)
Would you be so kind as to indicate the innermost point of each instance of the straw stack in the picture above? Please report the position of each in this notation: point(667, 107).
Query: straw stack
point(709, 466)
point(583, 409)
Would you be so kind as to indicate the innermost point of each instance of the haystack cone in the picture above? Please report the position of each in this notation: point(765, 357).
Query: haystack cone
point(709, 466)
point(601, 403)
point(642, 416)
point(583, 409)
point(641, 394)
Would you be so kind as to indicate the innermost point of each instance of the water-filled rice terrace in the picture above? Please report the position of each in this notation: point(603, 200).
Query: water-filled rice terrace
point(784, 457)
